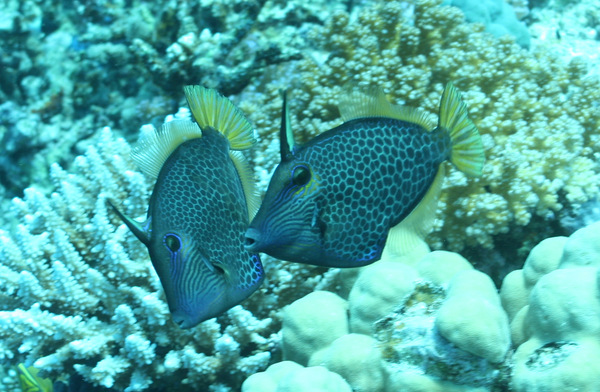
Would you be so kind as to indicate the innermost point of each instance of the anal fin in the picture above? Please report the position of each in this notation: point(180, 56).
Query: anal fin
point(408, 236)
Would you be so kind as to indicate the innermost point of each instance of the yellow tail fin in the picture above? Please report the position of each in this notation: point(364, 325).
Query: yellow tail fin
point(211, 109)
point(467, 149)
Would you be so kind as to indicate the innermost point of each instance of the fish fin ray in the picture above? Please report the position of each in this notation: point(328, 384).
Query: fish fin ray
point(467, 149)
point(154, 146)
point(371, 102)
point(211, 109)
point(412, 230)
point(248, 184)
point(137, 228)
point(30, 381)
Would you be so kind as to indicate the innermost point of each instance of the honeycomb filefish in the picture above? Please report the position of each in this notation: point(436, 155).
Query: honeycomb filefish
point(333, 201)
point(200, 207)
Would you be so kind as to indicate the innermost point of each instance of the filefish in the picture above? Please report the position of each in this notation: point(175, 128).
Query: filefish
point(332, 201)
point(200, 207)
point(31, 382)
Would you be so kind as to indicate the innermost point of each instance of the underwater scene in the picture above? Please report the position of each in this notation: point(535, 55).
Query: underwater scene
point(269, 195)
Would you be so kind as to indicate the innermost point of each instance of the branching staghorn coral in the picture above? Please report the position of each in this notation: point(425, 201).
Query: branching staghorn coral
point(78, 292)
point(537, 113)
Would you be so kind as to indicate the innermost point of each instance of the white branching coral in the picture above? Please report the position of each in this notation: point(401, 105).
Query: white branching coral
point(78, 292)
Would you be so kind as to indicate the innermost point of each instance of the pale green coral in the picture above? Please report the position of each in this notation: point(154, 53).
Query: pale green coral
point(416, 337)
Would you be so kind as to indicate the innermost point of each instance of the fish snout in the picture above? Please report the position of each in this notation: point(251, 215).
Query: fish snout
point(253, 240)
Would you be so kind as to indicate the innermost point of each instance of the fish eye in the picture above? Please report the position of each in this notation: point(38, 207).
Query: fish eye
point(172, 242)
point(300, 175)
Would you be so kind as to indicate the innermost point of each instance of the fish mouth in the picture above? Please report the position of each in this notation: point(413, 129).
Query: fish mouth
point(253, 240)
point(182, 320)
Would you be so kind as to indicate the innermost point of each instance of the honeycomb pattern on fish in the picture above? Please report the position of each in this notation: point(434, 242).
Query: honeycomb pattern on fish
point(195, 198)
point(373, 172)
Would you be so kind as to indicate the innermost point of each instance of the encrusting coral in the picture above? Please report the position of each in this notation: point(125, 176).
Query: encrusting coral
point(417, 338)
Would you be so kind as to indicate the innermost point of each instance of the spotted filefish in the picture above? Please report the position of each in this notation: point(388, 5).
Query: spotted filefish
point(333, 200)
point(200, 207)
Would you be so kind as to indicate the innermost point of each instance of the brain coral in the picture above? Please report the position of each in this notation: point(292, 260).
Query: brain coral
point(538, 114)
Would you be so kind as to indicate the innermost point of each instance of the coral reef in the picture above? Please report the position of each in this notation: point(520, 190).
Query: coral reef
point(498, 16)
point(450, 330)
point(78, 293)
point(536, 111)
point(71, 70)
point(431, 330)
point(571, 31)
point(289, 376)
point(304, 336)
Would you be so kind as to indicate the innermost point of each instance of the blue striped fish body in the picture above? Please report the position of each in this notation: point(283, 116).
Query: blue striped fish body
point(199, 210)
point(195, 210)
point(333, 201)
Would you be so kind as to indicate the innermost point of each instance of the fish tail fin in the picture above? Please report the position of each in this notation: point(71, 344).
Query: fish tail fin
point(211, 109)
point(467, 150)
point(30, 381)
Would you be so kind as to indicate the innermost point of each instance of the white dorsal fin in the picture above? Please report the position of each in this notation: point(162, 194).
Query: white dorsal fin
point(155, 145)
